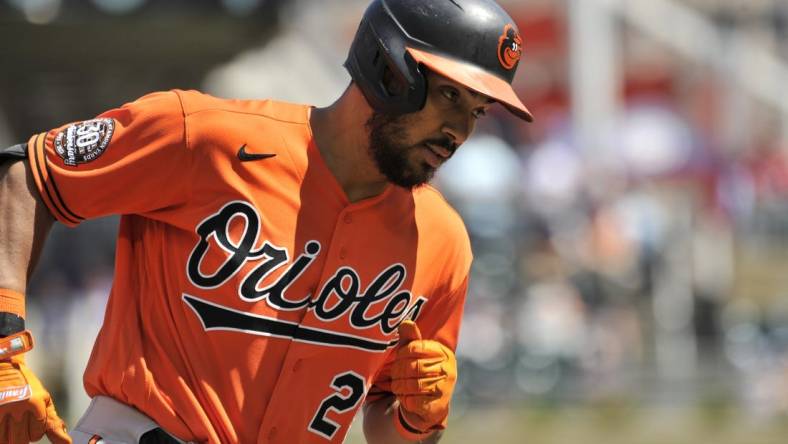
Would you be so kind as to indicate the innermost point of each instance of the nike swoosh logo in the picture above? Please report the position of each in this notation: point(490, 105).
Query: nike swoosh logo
point(243, 156)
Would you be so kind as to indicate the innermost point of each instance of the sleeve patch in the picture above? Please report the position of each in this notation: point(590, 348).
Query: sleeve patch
point(84, 142)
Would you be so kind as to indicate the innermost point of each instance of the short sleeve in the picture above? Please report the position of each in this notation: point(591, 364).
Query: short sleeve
point(129, 160)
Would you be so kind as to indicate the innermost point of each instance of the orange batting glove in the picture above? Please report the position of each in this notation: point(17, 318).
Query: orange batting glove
point(26, 409)
point(422, 377)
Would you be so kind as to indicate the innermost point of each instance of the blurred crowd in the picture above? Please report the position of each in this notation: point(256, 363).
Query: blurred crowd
point(650, 271)
point(658, 286)
point(647, 272)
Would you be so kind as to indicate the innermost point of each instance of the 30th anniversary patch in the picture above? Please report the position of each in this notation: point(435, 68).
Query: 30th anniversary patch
point(84, 141)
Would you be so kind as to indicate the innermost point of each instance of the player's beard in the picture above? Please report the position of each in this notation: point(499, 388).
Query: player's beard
point(392, 154)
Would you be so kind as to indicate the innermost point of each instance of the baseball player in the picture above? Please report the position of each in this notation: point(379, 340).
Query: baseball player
point(278, 266)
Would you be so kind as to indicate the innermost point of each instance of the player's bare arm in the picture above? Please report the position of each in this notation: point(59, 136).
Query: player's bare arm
point(24, 224)
point(27, 412)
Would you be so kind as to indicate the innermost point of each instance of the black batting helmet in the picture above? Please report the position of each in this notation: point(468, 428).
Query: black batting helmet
point(473, 42)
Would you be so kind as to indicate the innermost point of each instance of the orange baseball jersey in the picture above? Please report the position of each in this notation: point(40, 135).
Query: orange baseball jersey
point(252, 302)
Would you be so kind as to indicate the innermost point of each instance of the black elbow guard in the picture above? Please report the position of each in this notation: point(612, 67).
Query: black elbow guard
point(14, 152)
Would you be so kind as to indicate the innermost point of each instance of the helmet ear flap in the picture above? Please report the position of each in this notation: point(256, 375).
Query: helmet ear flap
point(417, 83)
point(399, 88)
point(394, 86)
point(402, 82)
point(387, 74)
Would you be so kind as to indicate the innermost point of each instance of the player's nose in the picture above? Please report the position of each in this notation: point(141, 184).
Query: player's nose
point(458, 130)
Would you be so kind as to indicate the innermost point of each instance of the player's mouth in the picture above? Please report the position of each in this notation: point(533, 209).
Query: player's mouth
point(435, 155)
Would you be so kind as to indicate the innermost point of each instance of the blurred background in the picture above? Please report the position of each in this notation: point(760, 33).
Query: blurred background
point(631, 274)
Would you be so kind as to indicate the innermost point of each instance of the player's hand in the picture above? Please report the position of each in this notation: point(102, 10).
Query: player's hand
point(422, 377)
point(26, 409)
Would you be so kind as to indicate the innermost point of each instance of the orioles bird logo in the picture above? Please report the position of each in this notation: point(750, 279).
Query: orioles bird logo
point(510, 47)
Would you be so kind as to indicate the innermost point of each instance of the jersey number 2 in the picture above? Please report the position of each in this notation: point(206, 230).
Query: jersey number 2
point(353, 386)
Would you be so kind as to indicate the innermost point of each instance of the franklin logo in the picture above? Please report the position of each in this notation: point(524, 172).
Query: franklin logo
point(510, 47)
point(84, 141)
point(14, 394)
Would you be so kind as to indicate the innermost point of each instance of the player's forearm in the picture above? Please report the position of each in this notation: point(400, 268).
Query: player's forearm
point(24, 225)
point(379, 424)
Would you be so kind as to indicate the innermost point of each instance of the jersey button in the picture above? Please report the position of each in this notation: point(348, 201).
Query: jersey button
point(272, 433)
point(342, 253)
point(297, 365)
point(348, 218)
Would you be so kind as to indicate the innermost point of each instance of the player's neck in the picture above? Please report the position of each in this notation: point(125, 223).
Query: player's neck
point(341, 136)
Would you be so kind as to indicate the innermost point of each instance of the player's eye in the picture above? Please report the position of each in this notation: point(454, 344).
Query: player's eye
point(479, 113)
point(451, 94)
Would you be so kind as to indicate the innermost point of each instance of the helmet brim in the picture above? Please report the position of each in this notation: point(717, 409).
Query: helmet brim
point(476, 79)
